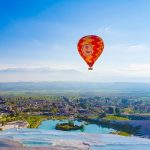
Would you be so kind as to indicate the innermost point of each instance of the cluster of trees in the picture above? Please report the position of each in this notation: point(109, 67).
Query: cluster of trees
point(33, 121)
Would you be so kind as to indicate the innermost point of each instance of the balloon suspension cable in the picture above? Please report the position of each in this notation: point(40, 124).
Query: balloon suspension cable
point(90, 68)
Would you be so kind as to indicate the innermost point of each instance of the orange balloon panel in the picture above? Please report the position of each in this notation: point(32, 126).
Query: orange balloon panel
point(90, 48)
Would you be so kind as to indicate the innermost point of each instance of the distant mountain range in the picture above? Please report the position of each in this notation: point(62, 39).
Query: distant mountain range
point(77, 87)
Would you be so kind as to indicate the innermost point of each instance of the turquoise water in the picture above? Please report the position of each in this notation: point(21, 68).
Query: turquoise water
point(89, 128)
point(97, 137)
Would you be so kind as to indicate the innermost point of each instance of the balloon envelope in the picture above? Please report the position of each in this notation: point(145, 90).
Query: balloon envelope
point(90, 47)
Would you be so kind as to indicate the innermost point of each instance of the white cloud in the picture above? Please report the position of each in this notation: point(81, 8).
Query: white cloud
point(108, 29)
point(132, 48)
point(134, 70)
point(105, 30)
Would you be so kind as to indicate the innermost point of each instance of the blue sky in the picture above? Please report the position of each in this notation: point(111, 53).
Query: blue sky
point(38, 40)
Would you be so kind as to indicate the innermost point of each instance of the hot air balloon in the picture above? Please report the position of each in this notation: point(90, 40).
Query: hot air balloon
point(90, 47)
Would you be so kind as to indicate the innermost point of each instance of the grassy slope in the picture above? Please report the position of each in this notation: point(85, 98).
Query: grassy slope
point(112, 117)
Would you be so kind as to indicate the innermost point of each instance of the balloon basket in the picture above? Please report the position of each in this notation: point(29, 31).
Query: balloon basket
point(90, 68)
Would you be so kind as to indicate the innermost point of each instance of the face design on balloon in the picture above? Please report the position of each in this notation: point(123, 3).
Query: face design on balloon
point(87, 50)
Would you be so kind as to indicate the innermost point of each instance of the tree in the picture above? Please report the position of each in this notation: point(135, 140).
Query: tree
point(71, 123)
point(102, 115)
point(117, 111)
point(110, 110)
